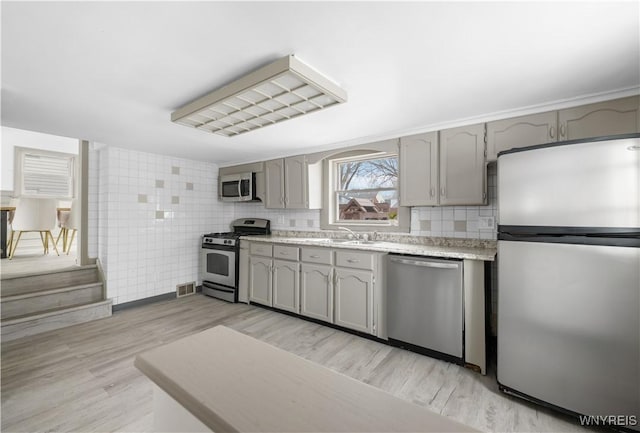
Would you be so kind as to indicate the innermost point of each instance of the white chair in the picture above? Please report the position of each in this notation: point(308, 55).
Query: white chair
point(34, 215)
point(69, 223)
point(12, 203)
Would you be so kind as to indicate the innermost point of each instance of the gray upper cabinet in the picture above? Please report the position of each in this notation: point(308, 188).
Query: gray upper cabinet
point(274, 184)
point(296, 180)
point(419, 170)
point(620, 116)
point(293, 183)
point(463, 170)
point(521, 131)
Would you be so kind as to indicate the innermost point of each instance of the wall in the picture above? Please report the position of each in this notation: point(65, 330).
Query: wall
point(458, 221)
point(436, 221)
point(12, 137)
point(145, 223)
point(152, 212)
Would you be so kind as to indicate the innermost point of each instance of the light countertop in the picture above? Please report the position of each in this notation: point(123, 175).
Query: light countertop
point(233, 382)
point(484, 253)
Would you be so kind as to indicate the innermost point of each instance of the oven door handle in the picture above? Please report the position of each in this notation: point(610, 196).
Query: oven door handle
point(214, 287)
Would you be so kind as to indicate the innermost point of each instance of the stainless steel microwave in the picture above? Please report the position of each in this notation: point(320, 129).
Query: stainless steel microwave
point(238, 187)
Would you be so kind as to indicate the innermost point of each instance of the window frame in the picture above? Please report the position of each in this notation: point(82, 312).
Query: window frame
point(19, 184)
point(329, 214)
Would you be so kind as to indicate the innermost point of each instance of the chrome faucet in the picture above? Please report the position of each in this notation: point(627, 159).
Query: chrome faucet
point(351, 232)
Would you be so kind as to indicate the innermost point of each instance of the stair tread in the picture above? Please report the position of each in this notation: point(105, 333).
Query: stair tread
point(47, 272)
point(51, 312)
point(28, 295)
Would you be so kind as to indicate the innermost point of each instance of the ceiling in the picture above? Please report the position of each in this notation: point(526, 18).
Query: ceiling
point(112, 72)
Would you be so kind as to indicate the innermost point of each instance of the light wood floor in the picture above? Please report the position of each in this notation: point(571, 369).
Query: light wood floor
point(82, 378)
point(35, 261)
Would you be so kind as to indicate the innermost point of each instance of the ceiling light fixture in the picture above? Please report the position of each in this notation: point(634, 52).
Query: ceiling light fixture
point(281, 90)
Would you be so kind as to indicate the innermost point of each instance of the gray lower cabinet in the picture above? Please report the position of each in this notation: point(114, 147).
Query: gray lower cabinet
point(316, 291)
point(334, 286)
point(286, 277)
point(260, 280)
point(354, 299)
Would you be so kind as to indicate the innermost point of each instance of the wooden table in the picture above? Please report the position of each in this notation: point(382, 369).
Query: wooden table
point(228, 381)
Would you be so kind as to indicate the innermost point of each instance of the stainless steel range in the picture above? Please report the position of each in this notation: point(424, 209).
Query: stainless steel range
point(219, 257)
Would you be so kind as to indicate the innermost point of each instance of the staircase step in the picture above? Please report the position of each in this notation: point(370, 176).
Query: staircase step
point(57, 318)
point(45, 300)
point(48, 280)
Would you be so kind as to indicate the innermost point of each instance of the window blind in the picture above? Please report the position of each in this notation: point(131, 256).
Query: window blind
point(47, 175)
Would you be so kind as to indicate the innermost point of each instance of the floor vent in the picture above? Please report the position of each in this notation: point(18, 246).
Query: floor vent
point(185, 289)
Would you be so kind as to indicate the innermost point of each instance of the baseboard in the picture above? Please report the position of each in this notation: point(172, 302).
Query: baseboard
point(144, 301)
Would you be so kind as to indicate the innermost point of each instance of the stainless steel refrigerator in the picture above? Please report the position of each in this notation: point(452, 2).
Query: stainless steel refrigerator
point(569, 276)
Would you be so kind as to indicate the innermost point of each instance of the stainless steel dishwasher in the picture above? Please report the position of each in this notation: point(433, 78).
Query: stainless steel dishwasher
point(425, 305)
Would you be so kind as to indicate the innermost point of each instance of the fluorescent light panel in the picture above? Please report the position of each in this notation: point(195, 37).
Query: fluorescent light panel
point(279, 91)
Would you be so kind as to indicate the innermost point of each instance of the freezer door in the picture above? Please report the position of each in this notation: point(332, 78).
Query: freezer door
point(591, 184)
point(569, 325)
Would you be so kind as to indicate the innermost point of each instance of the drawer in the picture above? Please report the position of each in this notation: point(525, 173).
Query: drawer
point(260, 249)
point(317, 255)
point(284, 252)
point(354, 259)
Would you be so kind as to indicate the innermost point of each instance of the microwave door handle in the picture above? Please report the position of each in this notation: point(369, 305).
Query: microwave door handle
point(240, 188)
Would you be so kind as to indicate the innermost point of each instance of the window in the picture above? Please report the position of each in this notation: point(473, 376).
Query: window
point(41, 173)
point(362, 191)
point(367, 190)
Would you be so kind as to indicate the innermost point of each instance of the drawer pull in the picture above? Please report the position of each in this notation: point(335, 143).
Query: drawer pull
point(314, 256)
point(353, 261)
point(282, 253)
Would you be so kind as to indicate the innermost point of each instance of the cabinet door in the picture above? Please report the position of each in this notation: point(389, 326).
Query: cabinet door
point(316, 292)
point(620, 116)
point(295, 182)
point(274, 184)
point(419, 170)
point(353, 291)
point(243, 276)
point(521, 131)
point(260, 280)
point(463, 170)
point(286, 277)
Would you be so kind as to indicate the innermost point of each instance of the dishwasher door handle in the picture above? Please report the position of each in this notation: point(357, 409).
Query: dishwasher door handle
point(426, 264)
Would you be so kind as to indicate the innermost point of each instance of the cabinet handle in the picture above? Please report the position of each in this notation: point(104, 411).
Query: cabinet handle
point(282, 253)
point(552, 132)
point(562, 130)
point(442, 191)
point(314, 256)
point(432, 192)
point(353, 261)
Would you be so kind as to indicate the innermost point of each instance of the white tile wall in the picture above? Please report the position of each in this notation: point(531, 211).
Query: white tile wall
point(281, 219)
point(149, 246)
